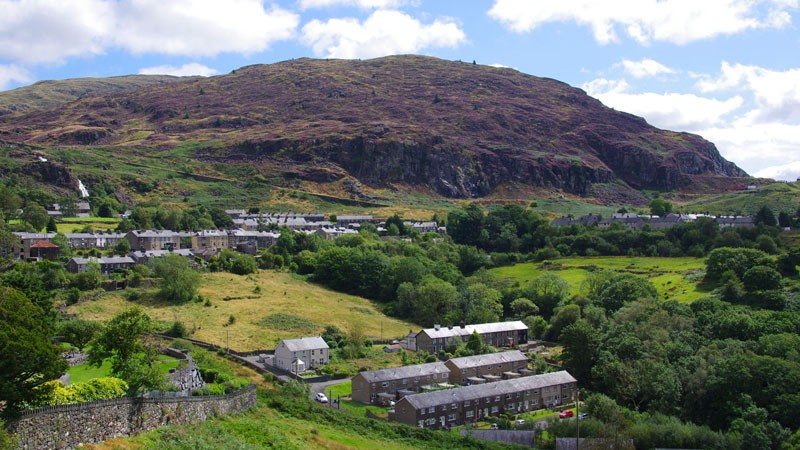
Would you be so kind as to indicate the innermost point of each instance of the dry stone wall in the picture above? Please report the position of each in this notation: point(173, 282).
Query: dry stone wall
point(65, 427)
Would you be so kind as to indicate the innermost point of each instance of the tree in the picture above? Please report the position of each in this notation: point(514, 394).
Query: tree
point(761, 278)
point(547, 291)
point(765, 216)
point(624, 288)
point(481, 304)
point(35, 215)
point(435, 301)
point(9, 202)
point(79, 332)
point(123, 247)
point(475, 343)
point(580, 350)
point(52, 226)
point(27, 358)
point(660, 207)
point(522, 307)
point(739, 260)
point(178, 281)
point(132, 359)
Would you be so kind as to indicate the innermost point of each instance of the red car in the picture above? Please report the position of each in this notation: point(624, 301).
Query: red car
point(566, 413)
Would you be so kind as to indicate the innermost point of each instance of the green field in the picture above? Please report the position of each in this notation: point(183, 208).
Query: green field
point(283, 306)
point(86, 372)
point(674, 278)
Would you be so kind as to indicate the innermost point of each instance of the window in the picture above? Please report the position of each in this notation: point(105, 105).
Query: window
point(433, 376)
point(470, 414)
point(312, 352)
point(497, 399)
point(466, 404)
point(431, 410)
point(508, 396)
point(451, 417)
point(384, 384)
point(405, 380)
point(453, 406)
point(494, 409)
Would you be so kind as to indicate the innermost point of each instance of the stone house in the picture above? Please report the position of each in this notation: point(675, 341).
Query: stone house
point(299, 355)
point(40, 250)
point(379, 386)
point(210, 240)
point(497, 334)
point(250, 241)
point(107, 265)
point(490, 367)
point(143, 240)
point(452, 407)
point(22, 248)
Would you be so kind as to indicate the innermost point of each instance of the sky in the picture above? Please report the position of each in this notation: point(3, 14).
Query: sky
point(728, 70)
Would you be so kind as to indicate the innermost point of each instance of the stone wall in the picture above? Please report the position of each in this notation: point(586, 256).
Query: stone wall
point(67, 426)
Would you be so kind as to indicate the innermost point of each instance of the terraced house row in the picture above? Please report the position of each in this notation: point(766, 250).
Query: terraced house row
point(381, 386)
point(452, 407)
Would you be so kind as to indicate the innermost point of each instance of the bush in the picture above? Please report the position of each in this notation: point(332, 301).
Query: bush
point(97, 389)
point(177, 330)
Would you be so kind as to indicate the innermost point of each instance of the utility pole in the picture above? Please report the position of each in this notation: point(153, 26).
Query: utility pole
point(578, 420)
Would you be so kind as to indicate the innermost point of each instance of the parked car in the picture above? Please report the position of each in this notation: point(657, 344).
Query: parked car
point(582, 416)
point(566, 413)
point(320, 397)
point(493, 426)
point(519, 422)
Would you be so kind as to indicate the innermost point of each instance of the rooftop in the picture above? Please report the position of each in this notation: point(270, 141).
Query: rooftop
point(477, 391)
point(396, 373)
point(481, 328)
point(306, 343)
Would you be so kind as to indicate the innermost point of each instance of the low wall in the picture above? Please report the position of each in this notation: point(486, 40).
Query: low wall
point(522, 437)
point(67, 426)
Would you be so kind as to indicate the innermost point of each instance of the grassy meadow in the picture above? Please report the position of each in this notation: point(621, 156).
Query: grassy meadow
point(266, 307)
point(674, 278)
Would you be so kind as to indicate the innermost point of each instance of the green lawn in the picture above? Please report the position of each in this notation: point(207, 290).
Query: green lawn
point(674, 278)
point(86, 372)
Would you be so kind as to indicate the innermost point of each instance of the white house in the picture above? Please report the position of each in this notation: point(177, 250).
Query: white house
point(299, 355)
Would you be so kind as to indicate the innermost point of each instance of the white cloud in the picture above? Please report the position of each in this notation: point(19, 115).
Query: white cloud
point(201, 27)
point(12, 73)
point(676, 21)
point(42, 31)
point(776, 93)
point(761, 149)
point(788, 171)
point(363, 4)
point(382, 33)
point(50, 31)
point(645, 68)
point(673, 111)
point(185, 70)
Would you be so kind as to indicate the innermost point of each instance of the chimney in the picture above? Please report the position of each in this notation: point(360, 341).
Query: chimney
point(463, 325)
point(436, 326)
point(450, 327)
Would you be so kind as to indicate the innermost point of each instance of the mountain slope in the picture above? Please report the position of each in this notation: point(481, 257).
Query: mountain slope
point(50, 94)
point(458, 129)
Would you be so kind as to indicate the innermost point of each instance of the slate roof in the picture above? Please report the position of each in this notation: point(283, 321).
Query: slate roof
point(306, 343)
point(477, 391)
point(491, 358)
point(106, 260)
point(481, 328)
point(398, 373)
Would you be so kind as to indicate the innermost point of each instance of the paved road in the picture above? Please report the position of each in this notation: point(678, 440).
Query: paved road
point(322, 387)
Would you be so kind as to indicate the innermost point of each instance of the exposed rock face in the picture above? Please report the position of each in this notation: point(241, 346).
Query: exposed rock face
point(459, 129)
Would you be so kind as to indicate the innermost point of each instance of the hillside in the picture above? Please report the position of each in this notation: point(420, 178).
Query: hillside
point(54, 93)
point(361, 128)
point(267, 307)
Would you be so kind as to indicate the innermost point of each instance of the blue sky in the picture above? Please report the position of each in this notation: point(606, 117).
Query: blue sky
point(728, 70)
